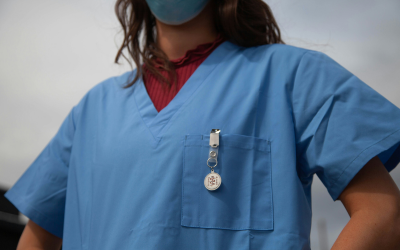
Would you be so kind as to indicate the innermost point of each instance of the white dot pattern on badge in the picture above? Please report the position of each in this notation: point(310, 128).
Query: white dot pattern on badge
point(212, 181)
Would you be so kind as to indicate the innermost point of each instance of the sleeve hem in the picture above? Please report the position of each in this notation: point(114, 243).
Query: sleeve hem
point(363, 158)
point(45, 222)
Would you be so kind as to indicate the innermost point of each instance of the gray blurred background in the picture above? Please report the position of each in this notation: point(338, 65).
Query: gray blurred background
point(53, 52)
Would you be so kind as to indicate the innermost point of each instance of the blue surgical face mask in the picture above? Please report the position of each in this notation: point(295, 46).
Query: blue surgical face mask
point(175, 12)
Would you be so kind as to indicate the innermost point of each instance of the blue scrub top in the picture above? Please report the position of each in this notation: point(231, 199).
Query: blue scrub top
point(120, 175)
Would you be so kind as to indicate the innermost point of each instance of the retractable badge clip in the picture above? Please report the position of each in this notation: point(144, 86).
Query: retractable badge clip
point(213, 180)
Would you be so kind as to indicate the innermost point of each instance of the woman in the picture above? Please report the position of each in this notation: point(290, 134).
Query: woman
point(222, 154)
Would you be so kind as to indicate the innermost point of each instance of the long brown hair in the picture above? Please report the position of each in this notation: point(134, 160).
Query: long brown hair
point(243, 22)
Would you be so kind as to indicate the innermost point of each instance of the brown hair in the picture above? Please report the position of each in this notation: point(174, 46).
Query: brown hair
point(243, 22)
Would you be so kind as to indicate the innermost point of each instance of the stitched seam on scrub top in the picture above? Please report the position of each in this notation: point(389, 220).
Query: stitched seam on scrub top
point(334, 183)
point(292, 96)
point(183, 183)
point(233, 228)
point(198, 88)
point(47, 218)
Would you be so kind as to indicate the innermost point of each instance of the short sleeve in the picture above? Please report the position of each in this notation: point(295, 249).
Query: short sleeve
point(340, 123)
point(40, 192)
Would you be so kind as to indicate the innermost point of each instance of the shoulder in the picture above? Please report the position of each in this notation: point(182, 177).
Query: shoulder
point(274, 52)
point(113, 83)
point(106, 90)
point(110, 86)
point(282, 54)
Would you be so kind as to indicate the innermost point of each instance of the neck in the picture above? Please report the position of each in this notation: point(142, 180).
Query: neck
point(175, 40)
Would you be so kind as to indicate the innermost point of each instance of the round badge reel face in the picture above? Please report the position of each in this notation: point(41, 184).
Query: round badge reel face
point(212, 181)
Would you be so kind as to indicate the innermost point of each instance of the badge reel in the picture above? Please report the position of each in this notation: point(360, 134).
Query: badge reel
point(213, 180)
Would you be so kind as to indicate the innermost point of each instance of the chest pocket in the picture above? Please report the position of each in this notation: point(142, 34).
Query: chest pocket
point(244, 199)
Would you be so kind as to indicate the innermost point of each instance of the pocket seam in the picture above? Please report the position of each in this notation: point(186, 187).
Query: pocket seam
point(200, 140)
point(230, 140)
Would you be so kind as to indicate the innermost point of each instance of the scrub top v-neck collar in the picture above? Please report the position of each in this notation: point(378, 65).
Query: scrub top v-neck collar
point(157, 122)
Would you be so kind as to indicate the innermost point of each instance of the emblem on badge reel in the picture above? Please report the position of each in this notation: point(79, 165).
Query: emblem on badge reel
point(212, 181)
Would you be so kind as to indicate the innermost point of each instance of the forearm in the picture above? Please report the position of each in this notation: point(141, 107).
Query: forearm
point(370, 230)
point(36, 238)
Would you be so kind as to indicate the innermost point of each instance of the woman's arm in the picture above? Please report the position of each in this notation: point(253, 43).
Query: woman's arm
point(372, 200)
point(35, 237)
